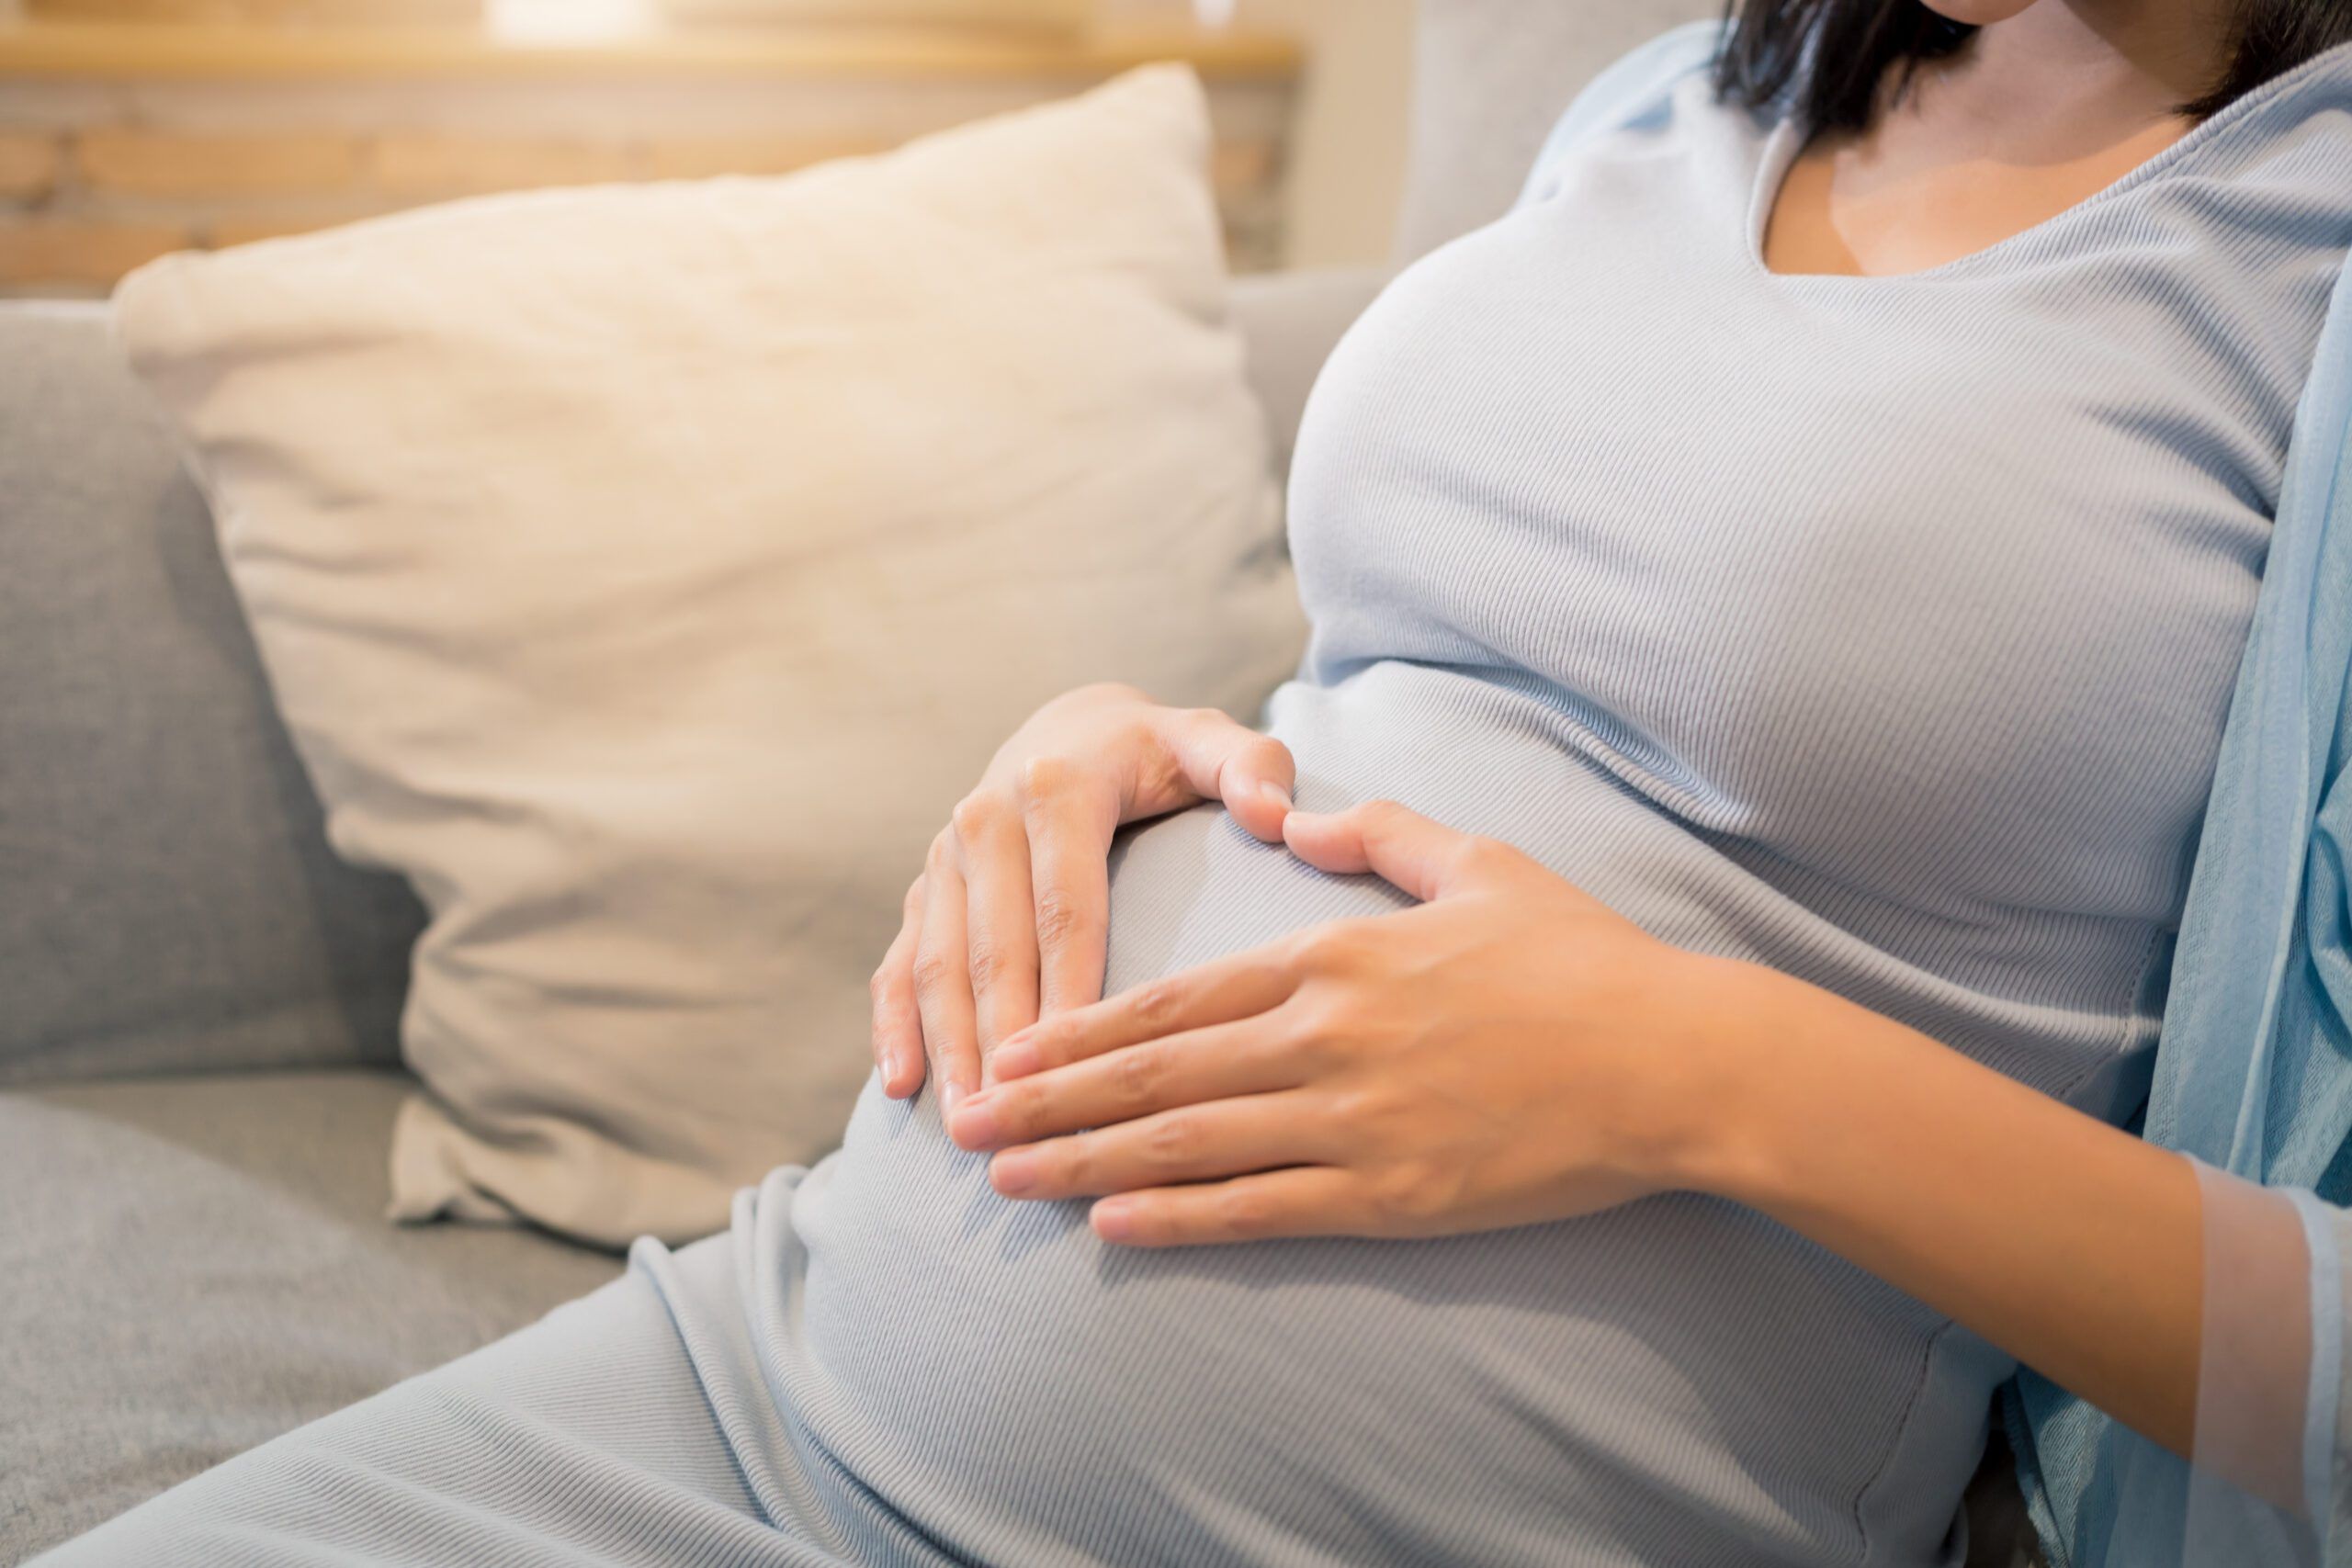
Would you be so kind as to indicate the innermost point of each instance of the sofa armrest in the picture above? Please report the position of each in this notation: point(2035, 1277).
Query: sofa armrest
point(1291, 321)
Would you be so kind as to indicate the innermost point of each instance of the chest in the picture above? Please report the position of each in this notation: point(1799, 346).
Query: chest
point(1822, 562)
point(1931, 184)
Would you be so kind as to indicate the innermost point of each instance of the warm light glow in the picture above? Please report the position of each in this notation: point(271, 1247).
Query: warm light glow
point(1213, 13)
point(570, 22)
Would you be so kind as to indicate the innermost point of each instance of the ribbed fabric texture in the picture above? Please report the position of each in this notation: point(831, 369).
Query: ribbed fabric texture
point(1878, 629)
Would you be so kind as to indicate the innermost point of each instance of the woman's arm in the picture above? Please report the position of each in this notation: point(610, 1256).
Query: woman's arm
point(2071, 1245)
point(2174, 1297)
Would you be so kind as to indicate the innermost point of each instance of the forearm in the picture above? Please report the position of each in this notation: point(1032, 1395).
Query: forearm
point(2075, 1246)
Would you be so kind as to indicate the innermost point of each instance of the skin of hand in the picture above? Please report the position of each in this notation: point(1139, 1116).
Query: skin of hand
point(1007, 923)
point(1513, 1051)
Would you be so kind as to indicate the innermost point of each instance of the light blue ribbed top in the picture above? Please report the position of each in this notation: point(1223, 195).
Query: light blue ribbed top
point(1878, 629)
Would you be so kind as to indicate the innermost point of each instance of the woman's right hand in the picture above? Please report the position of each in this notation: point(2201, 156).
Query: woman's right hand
point(1009, 921)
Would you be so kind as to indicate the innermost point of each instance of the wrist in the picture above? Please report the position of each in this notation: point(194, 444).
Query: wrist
point(1750, 1037)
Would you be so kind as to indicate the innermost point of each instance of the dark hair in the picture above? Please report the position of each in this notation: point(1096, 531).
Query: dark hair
point(1828, 57)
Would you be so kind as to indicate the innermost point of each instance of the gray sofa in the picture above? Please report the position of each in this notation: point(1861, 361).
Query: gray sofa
point(199, 1004)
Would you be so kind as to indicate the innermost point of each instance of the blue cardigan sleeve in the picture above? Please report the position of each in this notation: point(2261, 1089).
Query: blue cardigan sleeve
point(2252, 1077)
point(2266, 1487)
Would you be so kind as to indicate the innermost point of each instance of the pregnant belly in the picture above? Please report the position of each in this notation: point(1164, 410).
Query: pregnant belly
point(1678, 1382)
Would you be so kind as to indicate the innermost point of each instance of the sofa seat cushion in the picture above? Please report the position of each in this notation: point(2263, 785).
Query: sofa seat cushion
point(196, 1265)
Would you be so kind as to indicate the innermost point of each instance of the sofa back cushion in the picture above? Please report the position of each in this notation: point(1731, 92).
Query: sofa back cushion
point(167, 901)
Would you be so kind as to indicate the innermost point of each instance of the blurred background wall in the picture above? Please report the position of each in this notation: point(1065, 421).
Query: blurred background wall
point(129, 127)
point(1347, 150)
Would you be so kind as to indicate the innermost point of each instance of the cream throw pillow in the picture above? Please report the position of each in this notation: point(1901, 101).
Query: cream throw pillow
point(644, 571)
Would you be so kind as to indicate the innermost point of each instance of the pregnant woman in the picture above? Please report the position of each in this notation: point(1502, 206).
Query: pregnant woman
point(1625, 1068)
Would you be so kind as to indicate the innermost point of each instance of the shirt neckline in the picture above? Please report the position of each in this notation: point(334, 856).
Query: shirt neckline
point(1787, 139)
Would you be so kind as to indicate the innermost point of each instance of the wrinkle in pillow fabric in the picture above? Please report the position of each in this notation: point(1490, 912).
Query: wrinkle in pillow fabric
point(645, 570)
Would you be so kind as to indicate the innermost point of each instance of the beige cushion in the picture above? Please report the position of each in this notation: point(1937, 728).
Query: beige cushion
point(644, 571)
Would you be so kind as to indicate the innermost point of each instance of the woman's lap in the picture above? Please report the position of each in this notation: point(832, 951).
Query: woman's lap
point(629, 1426)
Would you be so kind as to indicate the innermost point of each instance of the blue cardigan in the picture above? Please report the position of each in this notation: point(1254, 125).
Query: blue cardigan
point(2253, 1071)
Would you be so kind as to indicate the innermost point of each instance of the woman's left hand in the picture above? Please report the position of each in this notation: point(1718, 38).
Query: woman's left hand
point(1509, 1051)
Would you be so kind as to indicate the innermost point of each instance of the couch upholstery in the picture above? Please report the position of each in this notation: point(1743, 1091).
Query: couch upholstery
point(199, 1040)
point(171, 904)
point(197, 1264)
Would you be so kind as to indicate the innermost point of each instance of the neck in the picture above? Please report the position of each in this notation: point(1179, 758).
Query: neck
point(2099, 65)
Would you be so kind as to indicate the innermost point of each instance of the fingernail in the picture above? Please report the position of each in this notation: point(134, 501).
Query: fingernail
point(949, 1094)
point(975, 1121)
point(1113, 1221)
point(1276, 793)
point(1014, 1173)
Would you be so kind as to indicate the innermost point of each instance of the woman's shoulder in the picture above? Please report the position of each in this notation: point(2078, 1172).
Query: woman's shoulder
point(1638, 85)
point(2305, 109)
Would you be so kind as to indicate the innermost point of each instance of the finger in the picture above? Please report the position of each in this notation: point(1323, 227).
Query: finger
point(943, 976)
point(898, 1023)
point(1306, 1200)
point(1424, 859)
point(1221, 759)
point(1000, 924)
point(1068, 818)
point(1222, 1061)
point(1240, 986)
point(1197, 1142)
